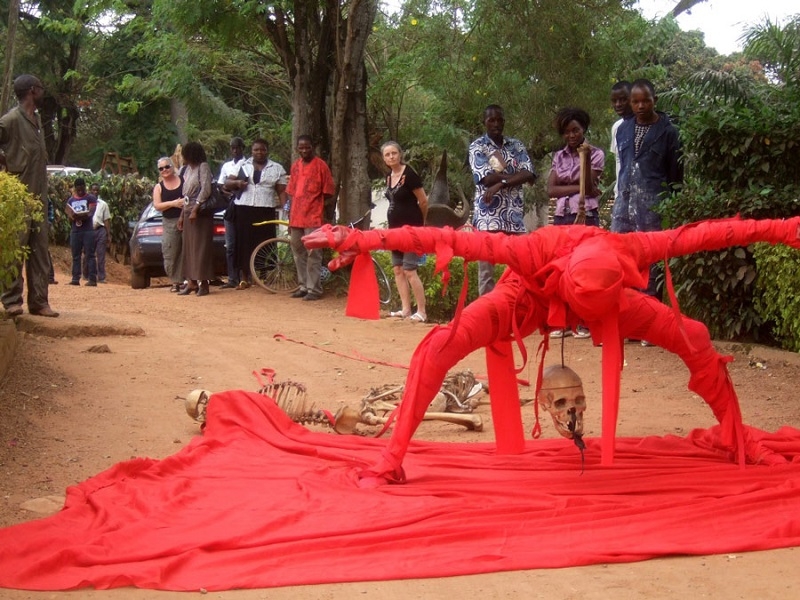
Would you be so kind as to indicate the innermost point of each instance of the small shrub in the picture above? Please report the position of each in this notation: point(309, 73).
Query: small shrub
point(776, 297)
point(17, 207)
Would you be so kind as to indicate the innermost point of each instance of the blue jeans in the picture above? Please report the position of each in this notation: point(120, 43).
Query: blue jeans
point(83, 243)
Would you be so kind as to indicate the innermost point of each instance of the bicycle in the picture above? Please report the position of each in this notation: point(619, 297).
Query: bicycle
point(272, 263)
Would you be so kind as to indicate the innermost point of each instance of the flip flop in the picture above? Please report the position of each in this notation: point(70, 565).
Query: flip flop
point(417, 318)
point(399, 314)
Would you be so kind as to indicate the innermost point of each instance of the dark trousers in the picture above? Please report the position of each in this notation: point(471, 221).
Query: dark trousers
point(83, 243)
point(101, 248)
point(230, 251)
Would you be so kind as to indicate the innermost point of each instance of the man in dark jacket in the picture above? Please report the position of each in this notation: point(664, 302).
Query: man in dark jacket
point(650, 168)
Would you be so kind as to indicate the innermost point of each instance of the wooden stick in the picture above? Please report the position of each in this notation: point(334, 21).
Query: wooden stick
point(583, 182)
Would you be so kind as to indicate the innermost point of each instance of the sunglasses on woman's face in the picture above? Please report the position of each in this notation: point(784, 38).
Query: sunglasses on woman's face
point(164, 168)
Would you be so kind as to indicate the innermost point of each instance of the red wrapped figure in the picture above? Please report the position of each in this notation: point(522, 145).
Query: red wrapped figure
point(556, 277)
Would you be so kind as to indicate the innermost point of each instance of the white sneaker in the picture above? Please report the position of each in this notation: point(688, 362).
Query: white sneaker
point(646, 344)
point(581, 333)
point(560, 333)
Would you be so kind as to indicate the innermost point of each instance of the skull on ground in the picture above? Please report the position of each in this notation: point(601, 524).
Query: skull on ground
point(562, 396)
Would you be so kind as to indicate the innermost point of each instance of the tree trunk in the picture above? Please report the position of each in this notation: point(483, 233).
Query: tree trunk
point(179, 115)
point(5, 92)
point(349, 145)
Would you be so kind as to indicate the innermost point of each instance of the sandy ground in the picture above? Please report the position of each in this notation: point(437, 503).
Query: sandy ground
point(107, 380)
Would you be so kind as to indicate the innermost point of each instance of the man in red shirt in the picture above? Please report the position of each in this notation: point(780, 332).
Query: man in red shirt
point(310, 186)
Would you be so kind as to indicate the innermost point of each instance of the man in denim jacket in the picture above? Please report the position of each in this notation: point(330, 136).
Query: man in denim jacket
point(650, 168)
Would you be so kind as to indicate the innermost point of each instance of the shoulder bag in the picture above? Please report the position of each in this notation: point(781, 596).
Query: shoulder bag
point(217, 201)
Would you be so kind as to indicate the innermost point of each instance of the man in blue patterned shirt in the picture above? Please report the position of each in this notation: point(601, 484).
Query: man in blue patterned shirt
point(500, 166)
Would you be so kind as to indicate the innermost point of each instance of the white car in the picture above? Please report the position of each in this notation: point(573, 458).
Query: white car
point(67, 171)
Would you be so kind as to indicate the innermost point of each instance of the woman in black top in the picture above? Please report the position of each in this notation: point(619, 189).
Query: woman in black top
point(168, 199)
point(408, 205)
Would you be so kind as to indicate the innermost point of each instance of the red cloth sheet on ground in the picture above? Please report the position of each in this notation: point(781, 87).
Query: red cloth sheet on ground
point(258, 501)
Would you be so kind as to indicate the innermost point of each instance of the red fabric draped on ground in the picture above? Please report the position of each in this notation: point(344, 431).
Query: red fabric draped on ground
point(258, 501)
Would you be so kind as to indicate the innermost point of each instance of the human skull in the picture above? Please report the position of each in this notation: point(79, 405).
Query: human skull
point(562, 396)
point(196, 403)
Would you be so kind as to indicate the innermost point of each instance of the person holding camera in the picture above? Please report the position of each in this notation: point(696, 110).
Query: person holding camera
point(80, 209)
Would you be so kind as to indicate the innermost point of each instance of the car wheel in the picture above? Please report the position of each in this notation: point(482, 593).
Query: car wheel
point(139, 281)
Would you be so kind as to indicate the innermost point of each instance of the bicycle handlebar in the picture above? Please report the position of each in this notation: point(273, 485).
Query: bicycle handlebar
point(271, 222)
point(364, 216)
point(352, 225)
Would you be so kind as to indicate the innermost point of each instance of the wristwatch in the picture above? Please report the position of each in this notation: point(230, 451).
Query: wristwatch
point(504, 182)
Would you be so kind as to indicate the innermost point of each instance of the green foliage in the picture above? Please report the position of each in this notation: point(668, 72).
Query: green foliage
point(717, 289)
point(776, 46)
point(126, 195)
point(741, 158)
point(17, 208)
point(776, 297)
point(438, 64)
point(441, 303)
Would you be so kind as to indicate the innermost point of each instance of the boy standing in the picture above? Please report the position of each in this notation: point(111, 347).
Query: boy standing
point(102, 230)
point(80, 208)
point(231, 169)
point(310, 186)
point(621, 103)
point(650, 168)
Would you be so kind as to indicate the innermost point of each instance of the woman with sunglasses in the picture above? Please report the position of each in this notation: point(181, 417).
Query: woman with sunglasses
point(168, 199)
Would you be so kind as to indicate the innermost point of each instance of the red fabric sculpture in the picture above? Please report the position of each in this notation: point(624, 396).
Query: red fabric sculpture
point(558, 276)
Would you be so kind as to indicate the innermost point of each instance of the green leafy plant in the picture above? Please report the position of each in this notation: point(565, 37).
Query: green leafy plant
point(17, 208)
point(776, 297)
point(740, 150)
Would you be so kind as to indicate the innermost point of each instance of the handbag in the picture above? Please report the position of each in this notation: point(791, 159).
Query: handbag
point(217, 201)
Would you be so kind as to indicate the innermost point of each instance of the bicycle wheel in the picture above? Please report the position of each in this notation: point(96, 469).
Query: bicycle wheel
point(384, 287)
point(272, 266)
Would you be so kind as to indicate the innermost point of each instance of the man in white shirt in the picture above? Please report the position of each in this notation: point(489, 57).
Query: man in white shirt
point(231, 168)
point(102, 232)
point(621, 102)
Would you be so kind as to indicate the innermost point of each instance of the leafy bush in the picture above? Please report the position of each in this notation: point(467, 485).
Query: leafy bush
point(741, 159)
point(718, 288)
point(17, 206)
point(442, 308)
point(776, 297)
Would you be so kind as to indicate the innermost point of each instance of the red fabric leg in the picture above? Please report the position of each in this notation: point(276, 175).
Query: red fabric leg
point(484, 322)
point(649, 319)
point(506, 413)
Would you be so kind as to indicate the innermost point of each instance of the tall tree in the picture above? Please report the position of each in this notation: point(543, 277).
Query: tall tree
point(8, 62)
point(320, 46)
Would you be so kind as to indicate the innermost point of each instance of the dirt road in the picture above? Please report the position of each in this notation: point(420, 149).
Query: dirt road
point(71, 409)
